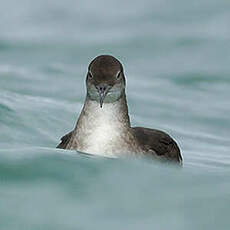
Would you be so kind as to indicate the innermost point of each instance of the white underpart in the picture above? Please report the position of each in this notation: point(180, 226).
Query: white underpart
point(101, 130)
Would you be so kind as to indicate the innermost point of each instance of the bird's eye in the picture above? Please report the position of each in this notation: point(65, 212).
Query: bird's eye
point(119, 75)
point(90, 75)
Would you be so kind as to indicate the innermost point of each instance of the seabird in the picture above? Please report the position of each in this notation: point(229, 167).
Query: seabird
point(103, 127)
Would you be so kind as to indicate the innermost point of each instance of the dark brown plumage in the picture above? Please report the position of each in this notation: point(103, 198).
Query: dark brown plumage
point(158, 141)
point(65, 140)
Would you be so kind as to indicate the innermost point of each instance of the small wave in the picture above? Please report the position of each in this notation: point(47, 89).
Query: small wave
point(4, 45)
point(6, 114)
point(198, 78)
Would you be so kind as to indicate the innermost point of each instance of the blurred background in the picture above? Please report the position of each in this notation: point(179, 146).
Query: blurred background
point(176, 57)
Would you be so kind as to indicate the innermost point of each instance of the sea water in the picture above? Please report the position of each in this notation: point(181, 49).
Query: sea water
point(176, 60)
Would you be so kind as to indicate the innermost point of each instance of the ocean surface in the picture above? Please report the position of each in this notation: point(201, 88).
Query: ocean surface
point(176, 56)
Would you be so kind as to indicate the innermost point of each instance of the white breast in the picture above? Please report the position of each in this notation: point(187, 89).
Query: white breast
point(101, 130)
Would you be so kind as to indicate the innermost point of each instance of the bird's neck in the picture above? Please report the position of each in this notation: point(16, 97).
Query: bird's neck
point(111, 114)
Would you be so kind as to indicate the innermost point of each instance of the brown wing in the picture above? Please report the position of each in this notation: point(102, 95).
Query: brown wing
point(159, 142)
point(65, 140)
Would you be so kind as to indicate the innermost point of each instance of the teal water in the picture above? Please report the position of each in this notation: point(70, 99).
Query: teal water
point(176, 60)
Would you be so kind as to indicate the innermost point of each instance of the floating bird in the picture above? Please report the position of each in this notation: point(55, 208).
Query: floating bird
point(103, 127)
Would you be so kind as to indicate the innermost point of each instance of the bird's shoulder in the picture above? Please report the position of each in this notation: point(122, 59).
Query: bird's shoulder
point(65, 140)
point(158, 142)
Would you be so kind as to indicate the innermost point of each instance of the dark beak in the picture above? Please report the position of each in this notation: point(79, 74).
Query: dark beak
point(102, 90)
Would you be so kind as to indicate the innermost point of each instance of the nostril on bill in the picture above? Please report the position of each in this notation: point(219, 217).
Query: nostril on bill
point(101, 88)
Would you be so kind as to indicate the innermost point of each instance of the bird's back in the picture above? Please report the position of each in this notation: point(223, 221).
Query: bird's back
point(158, 143)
